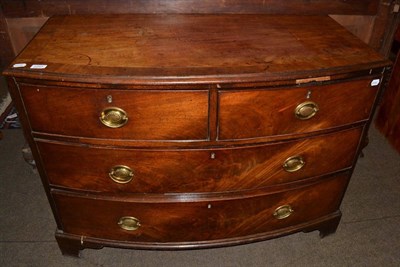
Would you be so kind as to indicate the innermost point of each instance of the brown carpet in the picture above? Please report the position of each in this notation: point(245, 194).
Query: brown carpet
point(369, 234)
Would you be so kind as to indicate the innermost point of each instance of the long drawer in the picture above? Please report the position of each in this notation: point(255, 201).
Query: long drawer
point(174, 219)
point(283, 111)
point(203, 170)
point(117, 114)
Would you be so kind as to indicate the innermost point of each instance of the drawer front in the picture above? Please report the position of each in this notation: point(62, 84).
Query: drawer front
point(259, 113)
point(151, 115)
point(166, 171)
point(197, 221)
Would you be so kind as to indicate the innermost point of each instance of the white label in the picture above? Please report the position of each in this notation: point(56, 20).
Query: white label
point(375, 82)
point(19, 65)
point(38, 66)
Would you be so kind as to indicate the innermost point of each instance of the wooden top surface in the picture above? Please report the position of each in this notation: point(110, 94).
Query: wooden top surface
point(192, 48)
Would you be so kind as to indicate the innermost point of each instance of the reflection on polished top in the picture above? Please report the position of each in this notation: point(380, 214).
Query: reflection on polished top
point(173, 48)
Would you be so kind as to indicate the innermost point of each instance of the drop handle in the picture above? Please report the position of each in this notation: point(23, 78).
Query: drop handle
point(121, 174)
point(306, 110)
point(293, 164)
point(129, 223)
point(283, 212)
point(113, 117)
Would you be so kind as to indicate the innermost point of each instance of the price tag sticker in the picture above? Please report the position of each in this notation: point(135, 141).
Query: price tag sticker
point(19, 65)
point(38, 66)
point(375, 82)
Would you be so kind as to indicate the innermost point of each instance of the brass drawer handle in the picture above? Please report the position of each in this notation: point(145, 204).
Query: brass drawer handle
point(121, 174)
point(283, 212)
point(293, 164)
point(129, 223)
point(306, 110)
point(113, 117)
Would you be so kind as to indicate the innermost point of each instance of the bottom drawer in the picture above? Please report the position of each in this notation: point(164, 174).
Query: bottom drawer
point(189, 219)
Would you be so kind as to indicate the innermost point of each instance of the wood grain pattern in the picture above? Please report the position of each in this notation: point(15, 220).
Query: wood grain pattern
point(160, 49)
point(210, 101)
point(152, 115)
point(271, 112)
point(92, 216)
point(168, 171)
point(72, 245)
point(25, 8)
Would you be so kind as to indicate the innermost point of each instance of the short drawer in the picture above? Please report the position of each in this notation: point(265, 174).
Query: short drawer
point(157, 219)
point(204, 170)
point(259, 113)
point(138, 115)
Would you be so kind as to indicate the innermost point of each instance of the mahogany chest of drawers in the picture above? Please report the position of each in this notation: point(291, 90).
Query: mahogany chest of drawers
point(190, 131)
